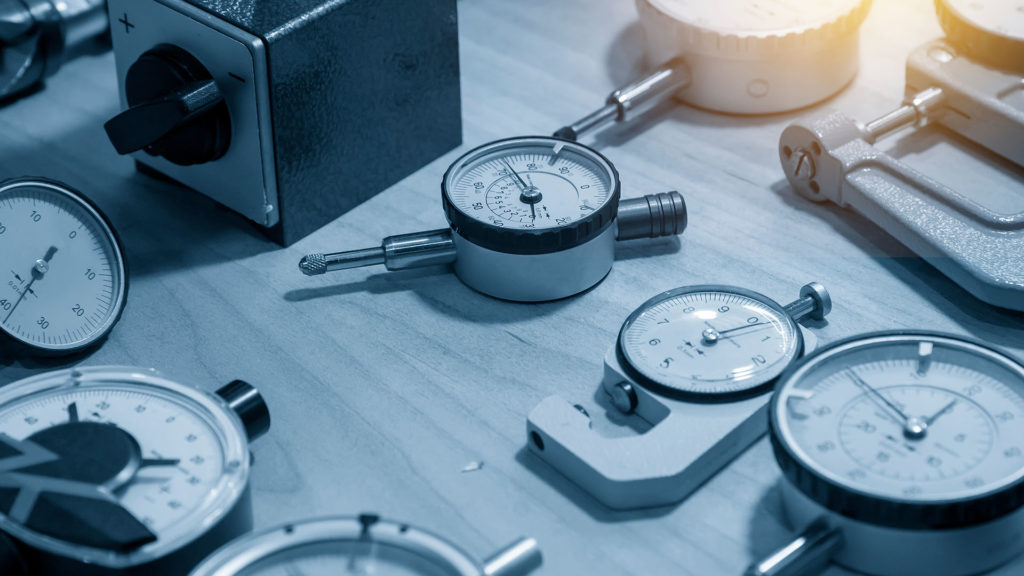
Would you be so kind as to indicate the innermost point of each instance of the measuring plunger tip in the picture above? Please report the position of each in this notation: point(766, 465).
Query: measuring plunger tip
point(313, 264)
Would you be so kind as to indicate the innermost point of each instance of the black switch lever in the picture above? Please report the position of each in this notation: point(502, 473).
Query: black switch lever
point(145, 124)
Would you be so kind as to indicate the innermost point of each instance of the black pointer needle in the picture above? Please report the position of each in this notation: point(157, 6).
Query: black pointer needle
point(38, 270)
point(860, 382)
point(744, 327)
point(147, 462)
point(521, 183)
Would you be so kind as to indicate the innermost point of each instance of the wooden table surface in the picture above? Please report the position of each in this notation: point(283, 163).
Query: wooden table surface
point(384, 386)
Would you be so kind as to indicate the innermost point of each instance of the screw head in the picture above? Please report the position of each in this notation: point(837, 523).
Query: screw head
point(624, 397)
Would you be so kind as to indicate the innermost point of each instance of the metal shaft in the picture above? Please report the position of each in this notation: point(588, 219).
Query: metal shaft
point(814, 302)
point(805, 556)
point(518, 559)
point(915, 111)
point(395, 252)
point(632, 99)
point(38, 36)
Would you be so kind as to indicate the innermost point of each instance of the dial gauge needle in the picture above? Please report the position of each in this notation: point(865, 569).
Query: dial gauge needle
point(147, 462)
point(39, 270)
point(878, 396)
point(518, 179)
point(744, 327)
point(934, 417)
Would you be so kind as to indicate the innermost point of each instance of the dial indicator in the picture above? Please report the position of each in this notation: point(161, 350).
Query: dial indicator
point(362, 545)
point(64, 279)
point(906, 419)
point(144, 464)
point(711, 341)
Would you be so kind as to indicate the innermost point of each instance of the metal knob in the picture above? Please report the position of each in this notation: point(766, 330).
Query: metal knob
point(653, 216)
point(247, 402)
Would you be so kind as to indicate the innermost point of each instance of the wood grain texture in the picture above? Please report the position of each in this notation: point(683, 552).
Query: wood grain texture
point(382, 387)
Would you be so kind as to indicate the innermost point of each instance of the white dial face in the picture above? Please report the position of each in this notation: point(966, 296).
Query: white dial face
point(531, 183)
point(710, 341)
point(347, 557)
point(908, 418)
point(62, 284)
point(185, 460)
point(757, 16)
point(1005, 17)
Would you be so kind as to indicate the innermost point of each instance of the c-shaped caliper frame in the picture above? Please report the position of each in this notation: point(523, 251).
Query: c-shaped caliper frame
point(979, 248)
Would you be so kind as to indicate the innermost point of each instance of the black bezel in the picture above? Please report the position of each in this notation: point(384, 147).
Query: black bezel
point(699, 397)
point(545, 241)
point(18, 346)
point(864, 507)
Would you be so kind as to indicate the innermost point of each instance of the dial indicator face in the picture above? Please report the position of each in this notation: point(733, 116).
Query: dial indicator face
point(347, 557)
point(190, 459)
point(757, 16)
point(530, 184)
point(709, 341)
point(910, 418)
point(1004, 17)
point(364, 545)
point(62, 271)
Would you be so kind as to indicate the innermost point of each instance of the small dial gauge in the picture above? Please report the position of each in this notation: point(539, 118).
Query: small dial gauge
point(363, 545)
point(754, 16)
point(531, 195)
point(161, 461)
point(709, 341)
point(905, 417)
point(64, 280)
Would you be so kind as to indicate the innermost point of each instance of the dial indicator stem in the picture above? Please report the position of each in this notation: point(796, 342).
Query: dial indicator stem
point(630, 100)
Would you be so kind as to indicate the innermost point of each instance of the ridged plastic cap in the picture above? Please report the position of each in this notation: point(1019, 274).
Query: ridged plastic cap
point(820, 24)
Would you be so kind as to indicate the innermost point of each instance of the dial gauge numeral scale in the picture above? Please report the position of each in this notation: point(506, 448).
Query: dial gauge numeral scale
point(909, 444)
point(63, 272)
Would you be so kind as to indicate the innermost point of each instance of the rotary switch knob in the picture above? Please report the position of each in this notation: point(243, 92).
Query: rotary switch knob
point(175, 109)
point(756, 56)
point(990, 31)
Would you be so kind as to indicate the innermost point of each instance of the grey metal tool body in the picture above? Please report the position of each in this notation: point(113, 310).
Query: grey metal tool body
point(697, 365)
point(364, 544)
point(531, 219)
point(975, 238)
point(902, 454)
point(38, 36)
point(737, 57)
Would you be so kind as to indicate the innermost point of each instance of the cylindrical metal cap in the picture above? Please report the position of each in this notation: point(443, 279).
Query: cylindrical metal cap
point(247, 402)
point(653, 216)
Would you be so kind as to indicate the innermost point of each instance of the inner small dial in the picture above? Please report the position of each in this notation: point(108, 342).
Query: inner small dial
point(710, 342)
point(537, 184)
